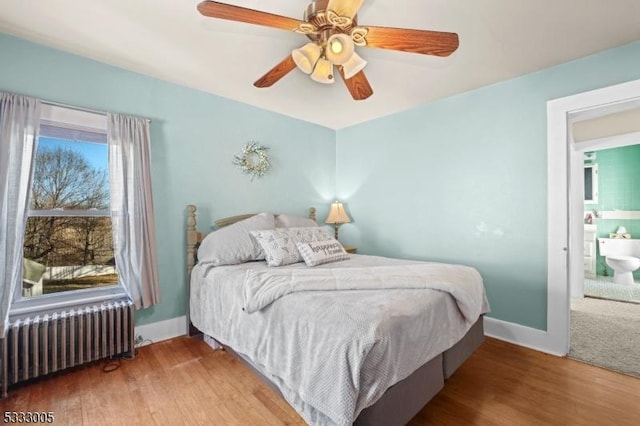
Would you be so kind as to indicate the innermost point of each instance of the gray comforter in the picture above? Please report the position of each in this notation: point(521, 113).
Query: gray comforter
point(464, 284)
point(335, 337)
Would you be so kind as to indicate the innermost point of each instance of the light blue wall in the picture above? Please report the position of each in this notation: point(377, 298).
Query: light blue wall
point(194, 137)
point(464, 180)
point(458, 180)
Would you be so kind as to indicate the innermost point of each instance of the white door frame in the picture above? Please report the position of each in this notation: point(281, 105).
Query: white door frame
point(565, 204)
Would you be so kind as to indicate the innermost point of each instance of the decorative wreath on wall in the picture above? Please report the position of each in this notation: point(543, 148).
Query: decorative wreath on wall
point(253, 160)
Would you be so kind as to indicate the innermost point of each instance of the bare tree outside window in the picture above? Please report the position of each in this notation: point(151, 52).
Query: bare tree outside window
point(64, 179)
point(68, 229)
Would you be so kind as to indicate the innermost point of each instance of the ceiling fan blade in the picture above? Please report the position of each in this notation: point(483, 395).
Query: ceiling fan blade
point(415, 41)
point(216, 9)
point(358, 85)
point(276, 73)
point(345, 7)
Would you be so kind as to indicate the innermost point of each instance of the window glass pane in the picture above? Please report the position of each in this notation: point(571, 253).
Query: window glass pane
point(588, 189)
point(70, 175)
point(67, 253)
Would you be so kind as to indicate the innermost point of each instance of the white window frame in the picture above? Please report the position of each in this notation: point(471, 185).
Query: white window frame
point(80, 120)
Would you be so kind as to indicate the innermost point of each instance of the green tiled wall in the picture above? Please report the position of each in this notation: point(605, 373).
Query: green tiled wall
point(619, 189)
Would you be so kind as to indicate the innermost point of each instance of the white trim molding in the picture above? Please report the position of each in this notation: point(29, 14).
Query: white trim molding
point(620, 214)
point(610, 142)
point(518, 334)
point(162, 330)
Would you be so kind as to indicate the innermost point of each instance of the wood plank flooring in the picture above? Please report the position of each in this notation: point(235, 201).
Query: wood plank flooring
point(183, 381)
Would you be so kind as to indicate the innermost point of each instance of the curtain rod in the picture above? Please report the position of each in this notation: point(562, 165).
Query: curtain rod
point(77, 108)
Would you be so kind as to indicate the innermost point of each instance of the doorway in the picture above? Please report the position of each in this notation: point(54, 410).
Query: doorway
point(605, 311)
point(565, 221)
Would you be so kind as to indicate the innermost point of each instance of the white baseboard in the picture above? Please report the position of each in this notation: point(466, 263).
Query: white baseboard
point(162, 330)
point(521, 335)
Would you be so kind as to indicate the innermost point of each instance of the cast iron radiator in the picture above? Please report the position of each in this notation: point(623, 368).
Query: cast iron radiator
point(40, 345)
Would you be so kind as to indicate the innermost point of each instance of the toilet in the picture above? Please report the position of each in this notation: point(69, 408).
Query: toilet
point(622, 255)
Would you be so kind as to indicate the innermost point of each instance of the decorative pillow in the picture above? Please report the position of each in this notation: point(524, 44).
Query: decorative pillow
point(318, 252)
point(289, 221)
point(280, 244)
point(233, 244)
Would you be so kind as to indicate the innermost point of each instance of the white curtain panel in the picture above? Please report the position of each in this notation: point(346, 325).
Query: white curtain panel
point(19, 122)
point(132, 208)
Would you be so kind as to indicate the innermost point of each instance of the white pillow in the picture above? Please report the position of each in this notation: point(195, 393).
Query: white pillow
point(318, 252)
point(280, 244)
point(289, 221)
point(233, 244)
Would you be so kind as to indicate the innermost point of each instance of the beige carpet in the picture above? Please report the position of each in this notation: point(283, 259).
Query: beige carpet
point(606, 333)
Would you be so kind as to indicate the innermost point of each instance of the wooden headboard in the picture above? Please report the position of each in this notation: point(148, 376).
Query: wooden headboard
point(194, 237)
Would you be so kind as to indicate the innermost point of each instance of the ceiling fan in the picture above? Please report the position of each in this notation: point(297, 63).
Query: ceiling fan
point(332, 27)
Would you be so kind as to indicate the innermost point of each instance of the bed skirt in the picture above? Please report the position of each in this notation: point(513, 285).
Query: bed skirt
point(402, 401)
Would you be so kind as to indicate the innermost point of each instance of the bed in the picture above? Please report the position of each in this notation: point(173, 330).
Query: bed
point(354, 339)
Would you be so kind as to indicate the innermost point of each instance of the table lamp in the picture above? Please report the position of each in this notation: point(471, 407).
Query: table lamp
point(337, 216)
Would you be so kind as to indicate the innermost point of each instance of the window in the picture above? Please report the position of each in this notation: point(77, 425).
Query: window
point(591, 184)
point(68, 240)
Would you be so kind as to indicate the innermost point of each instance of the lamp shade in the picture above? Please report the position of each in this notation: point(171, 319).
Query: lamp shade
point(323, 72)
point(339, 48)
point(337, 214)
point(353, 66)
point(306, 57)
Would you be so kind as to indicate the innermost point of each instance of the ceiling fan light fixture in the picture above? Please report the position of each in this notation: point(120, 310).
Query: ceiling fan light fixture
point(353, 66)
point(339, 48)
point(323, 72)
point(306, 57)
point(332, 27)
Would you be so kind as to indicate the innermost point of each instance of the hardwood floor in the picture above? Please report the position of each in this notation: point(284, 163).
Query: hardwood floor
point(183, 381)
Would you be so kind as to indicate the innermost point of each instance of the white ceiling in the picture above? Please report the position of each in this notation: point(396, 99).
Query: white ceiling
point(170, 40)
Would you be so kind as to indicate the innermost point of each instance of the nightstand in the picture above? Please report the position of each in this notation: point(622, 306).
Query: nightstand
point(350, 249)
